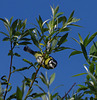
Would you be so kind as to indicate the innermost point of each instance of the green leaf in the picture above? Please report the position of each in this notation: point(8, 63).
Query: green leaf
point(33, 38)
point(18, 94)
point(24, 43)
point(71, 16)
point(52, 77)
point(75, 52)
point(59, 14)
point(25, 60)
point(84, 52)
point(36, 95)
point(79, 74)
point(60, 19)
point(56, 88)
point(91, 76)
point(16, 54)
point(24, 23)
point(86, 40)
point(93, 49)
point(82, 87)
point(62, 39)
point(12, 96)
point(42, 77)
point(91, 38)
point(56, 94)
point(6, 39)
point(33, 76)
point(3, 20)
point(40, 88)
point(21, 69)
point(54, 43)
point(75, 40)
point(14, 24)
point(91, 68)
point(75, 24)
point(23, 88)
point(57, 49)
point(4, 34)
point(56, 10)
point(11, 20)
point(81, 40)
point(10, 88)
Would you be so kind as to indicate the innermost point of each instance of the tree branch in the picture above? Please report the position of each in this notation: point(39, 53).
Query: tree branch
point(32, 82)
point(9, 72)
point(68, 91)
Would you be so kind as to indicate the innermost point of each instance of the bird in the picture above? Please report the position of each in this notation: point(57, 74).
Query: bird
point(46, 62)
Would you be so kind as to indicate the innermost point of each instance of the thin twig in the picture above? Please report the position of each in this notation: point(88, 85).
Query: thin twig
point(9, 73)
point(68, 91)
point(32, 82)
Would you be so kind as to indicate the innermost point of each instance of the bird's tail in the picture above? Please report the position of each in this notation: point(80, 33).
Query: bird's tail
point(27, 49)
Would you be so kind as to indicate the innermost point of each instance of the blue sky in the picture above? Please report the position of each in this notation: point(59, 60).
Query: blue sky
point(86, 10)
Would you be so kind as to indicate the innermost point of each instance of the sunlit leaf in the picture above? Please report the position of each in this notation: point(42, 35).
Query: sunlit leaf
point(54, 43)
point(91, 76)
point(56, 10)
point(11, 20)
point(52, 77)
point(81, 40)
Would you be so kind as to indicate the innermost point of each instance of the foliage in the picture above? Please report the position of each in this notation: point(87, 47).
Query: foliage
point(49, 37)
point(91, 78)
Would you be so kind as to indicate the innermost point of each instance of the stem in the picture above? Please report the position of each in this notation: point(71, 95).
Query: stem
point(9, 72)
point(32, 83)
point(68, 91)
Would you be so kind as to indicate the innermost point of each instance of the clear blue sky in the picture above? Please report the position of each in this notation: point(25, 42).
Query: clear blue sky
point(86, 10)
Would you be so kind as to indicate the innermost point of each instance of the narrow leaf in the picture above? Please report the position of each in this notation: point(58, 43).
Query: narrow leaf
point(14, 24)
point(74, 53)
point(62, 39)
point(6, 39)
point(84, 52)
point(79, 74)
point(34, 39)
point(91, 38)
point(25, 60)
point(91, 76)
point(52, 77)
point(24, 43)
point(4, 34)
point(42, 77)
point(81, 40)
